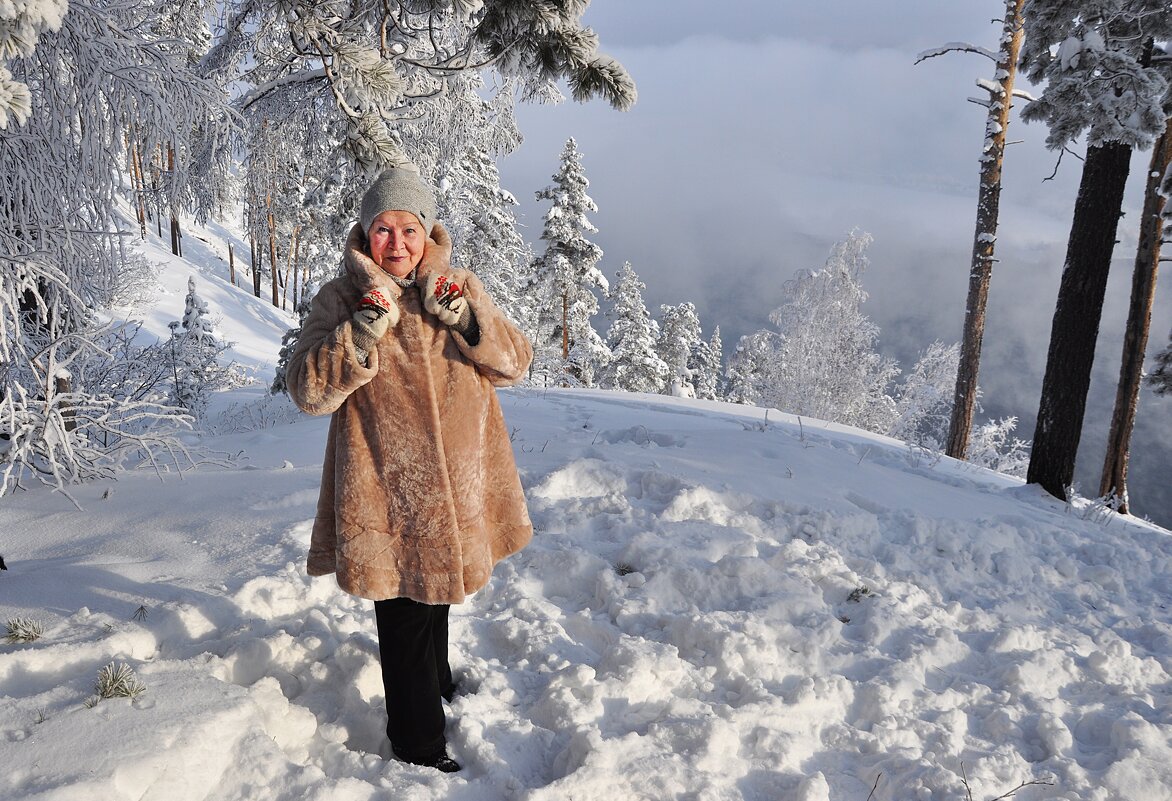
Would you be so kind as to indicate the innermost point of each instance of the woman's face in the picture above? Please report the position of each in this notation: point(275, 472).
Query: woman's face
point(396, 242)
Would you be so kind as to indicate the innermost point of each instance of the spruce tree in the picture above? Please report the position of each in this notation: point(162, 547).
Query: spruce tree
point(566, 276)
point(634, 365)
point(679, 335)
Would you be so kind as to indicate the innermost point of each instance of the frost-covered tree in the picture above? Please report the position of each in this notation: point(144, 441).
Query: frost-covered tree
point(1094, 63)
point(195, 354)
point(362, 74)
point(923, 400)
point(747, 377)
point(21, 25)
point(565, 277)
point(289, 344)
point(634, 364)
point(705, 365)
point(679, 336)
point(97, 79)
point(994, 446)
point(826, 365)
point(477, 211)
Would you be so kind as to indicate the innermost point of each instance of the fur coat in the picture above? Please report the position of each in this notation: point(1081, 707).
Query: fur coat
point(420, 495)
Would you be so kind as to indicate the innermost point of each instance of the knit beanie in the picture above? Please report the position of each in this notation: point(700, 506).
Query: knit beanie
point(399, 188)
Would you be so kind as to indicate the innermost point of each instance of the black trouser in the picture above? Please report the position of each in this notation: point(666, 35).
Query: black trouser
point(413, 649)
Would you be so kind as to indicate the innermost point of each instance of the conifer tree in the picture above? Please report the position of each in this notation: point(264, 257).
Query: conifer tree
point(1094, 62)
point(196, 352)
point(635, 366)
point(750, 367)
point(1113, 483)
point(679, 336)
point(566, 275)
point(1000, 91)
point(479, 216)
point(705, 363)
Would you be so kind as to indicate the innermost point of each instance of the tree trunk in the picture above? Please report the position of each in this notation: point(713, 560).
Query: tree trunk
point(139, 187)
point(272, 224)
point(176, 245)
point(1135, 340)
point(988, 206)
point(565, 328)
point(1076, 318)
point(231, 265)
point(291, 272)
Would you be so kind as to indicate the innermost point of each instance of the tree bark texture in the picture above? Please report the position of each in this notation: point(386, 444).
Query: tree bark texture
point(1139, 320)
point(984, 239)
point(1076, 318)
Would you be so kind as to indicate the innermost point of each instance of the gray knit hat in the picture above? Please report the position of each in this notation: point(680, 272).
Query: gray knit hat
point(399, 188)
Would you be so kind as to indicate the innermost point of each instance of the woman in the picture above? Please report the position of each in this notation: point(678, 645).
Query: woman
point(420, 495)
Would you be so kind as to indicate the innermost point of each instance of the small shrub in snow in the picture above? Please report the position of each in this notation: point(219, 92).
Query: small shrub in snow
point(116, 680)
point(624, 569)
point(24, 629)
point(858, 594)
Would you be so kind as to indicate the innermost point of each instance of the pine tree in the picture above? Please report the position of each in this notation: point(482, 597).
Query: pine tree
point(1094, 61)
point(634, 365)
point(1113, 484)
point(1000, 91)
point(365, 70)
point(566, 275)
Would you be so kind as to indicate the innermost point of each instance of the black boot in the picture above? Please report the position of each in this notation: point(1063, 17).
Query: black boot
point(438, 760)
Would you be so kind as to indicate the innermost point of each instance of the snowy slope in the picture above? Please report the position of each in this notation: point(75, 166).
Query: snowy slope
point(716, 606)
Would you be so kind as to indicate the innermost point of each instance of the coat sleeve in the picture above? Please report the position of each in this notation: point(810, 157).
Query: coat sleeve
point(502, 353)
point(324, 369)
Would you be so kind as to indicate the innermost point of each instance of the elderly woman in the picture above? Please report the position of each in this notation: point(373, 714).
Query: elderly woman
point(420, 495)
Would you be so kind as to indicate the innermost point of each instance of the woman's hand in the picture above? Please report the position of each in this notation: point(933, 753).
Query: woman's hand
point(375, 315)
point(443, 297)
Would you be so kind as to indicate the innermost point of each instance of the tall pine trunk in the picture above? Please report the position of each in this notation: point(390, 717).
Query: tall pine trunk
point(984, 239)
point(1076, 317)
point(1139, 319)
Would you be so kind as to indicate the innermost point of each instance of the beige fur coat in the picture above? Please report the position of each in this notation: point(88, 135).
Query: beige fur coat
point(420, 495)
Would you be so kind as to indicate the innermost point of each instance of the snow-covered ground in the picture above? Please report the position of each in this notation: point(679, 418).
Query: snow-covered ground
point(718, 604)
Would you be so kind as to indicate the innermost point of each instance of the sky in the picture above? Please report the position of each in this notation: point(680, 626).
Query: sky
point(716, 604)
point(766, 133)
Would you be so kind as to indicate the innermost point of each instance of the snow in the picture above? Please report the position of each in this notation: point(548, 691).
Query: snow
point(718, 604)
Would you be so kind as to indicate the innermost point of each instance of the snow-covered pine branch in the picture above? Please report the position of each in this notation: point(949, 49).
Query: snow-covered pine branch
point(956, 47)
